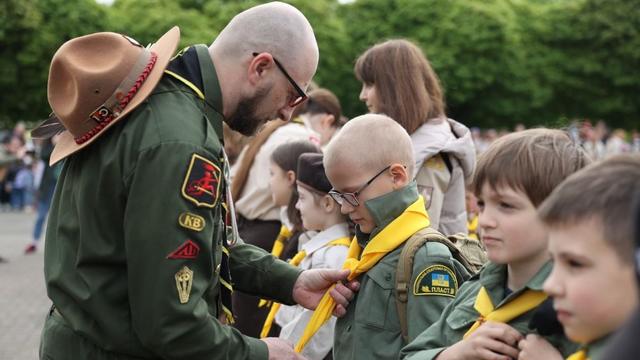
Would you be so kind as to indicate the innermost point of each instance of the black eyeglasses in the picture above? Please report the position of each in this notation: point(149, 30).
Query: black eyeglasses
point(352, 198)
point(302, 96)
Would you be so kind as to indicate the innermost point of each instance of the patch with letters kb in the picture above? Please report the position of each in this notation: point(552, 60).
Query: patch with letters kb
point(191, 221)
point(437, 280)
point(202, 182)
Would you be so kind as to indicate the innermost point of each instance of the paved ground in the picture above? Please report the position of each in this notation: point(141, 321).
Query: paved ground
point(23, 299)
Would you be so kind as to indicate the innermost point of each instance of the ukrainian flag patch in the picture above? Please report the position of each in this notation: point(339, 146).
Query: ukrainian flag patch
point(436, 280)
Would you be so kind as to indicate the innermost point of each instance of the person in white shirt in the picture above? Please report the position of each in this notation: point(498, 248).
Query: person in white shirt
point(327, 249)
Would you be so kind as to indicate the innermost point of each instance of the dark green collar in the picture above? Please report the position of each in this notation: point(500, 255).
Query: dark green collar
point(596, 349)
point(386, 208)
point(212, 92)
point(494, 278)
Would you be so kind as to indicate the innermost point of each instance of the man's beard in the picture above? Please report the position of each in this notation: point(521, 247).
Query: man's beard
point(245, 120)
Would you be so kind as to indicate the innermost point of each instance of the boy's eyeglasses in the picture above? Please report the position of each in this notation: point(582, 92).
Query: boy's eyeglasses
point(302, 96)
point(352, 198)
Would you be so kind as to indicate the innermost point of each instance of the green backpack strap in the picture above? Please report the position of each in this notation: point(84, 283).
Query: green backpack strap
point(405, 269)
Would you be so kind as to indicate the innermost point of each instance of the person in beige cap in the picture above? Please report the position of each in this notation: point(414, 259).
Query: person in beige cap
point(142, 251)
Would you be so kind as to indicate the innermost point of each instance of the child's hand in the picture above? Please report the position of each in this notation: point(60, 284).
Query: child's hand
point(491, 341)
point(536, 347)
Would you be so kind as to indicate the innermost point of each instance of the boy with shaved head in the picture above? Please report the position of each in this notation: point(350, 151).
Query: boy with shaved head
point(370, 164)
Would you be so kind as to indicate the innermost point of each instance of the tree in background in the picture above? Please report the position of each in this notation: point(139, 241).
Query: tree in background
point(501, 62)
point(30, 32)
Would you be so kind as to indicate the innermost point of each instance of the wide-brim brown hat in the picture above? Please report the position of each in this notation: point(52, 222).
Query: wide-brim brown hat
point(95, 81)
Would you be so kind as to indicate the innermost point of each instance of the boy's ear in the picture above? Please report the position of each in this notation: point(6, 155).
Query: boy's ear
point(291, 177)
point(400, 175)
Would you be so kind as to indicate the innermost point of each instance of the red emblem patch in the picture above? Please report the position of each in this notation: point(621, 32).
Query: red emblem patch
point(202, 182)
point(188, 250)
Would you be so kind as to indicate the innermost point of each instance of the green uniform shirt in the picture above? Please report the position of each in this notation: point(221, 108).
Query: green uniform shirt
point(371, 329)
point(126, 221)
point(458, 317)
point(596, 350)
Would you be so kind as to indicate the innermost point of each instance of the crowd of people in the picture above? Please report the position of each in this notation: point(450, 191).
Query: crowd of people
point(27, 181)
point(226, 208)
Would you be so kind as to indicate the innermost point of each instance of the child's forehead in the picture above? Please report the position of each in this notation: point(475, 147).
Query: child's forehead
point(583, 236)
point(501, 189)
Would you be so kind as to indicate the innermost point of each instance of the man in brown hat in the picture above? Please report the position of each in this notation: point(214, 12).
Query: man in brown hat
point(142, 250)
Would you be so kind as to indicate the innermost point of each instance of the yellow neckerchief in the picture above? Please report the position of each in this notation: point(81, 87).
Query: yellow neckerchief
point(579, 355)
point(283, 236)
point(278, 246)
point(295, 261)
point(472, 227)
point(393, 235)
point(524, 302)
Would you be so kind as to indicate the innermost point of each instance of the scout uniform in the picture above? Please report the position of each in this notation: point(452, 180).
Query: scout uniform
point(320, 253)
point(462, 314)
point(136, 261)
point(371, 327)
point(326, 249)
point(593, 351)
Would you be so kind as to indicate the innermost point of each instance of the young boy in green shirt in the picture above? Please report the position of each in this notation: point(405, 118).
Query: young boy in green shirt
point(593, 282)
point(370, 164)
point(494, 308)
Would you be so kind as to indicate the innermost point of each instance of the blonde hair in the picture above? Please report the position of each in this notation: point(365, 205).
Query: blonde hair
point(407, 87)
point(534, 161)
point(371, 142)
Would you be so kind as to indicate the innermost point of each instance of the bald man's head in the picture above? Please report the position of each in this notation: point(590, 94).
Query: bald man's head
point(371, 141)
point(245, 55)
point(277, 28)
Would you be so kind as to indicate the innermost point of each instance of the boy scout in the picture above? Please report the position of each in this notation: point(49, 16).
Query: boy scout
point(494, 308)
point(141, 249)
point(370, 165)
point(591, 243)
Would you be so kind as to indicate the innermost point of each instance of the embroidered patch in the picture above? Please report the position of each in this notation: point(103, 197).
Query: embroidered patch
point(184, 280)
point(191, 221)
point(436, 280)
point(188, 250)
point(202, 182)
point(435, 162)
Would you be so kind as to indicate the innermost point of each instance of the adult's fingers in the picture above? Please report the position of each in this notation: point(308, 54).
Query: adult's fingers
point(339, 297)
point(339, 311)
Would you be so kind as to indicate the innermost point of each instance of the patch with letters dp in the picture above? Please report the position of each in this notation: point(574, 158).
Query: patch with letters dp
point(202, 182)
point(184, 280)
point(437, 280)
point(188, 250)
point(191, 221)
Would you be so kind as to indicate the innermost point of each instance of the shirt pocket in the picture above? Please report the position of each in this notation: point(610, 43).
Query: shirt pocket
point(461, 318)
point(375, 304)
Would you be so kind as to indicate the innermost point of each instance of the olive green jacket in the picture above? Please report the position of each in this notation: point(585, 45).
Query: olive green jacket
point(125, 223)
point(458, 317)
point(371, 329)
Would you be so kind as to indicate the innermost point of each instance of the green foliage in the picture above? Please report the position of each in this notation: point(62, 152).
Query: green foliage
point(30, 33)
point(500, 61)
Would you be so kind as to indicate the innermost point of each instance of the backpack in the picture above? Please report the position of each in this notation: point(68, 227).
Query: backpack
point(468, 253)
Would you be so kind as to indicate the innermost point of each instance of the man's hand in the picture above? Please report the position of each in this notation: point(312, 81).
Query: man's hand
point(536, 347)
point(491, 341)
point(281, 350)
point(312, 284)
